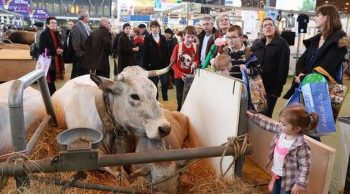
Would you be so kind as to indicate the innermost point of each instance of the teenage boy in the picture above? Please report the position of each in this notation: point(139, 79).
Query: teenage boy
point(185, 59)
point(241, 56)
point(156, 56)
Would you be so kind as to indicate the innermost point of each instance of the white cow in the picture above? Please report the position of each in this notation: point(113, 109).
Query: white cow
point(127, 105)
point(34, 112)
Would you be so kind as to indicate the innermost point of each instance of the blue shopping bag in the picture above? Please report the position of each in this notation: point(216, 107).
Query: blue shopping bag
point(295, 98)
point(245, 79)
point(316, 99)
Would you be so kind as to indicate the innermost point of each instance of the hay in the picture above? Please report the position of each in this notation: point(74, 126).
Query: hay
point(198, 178)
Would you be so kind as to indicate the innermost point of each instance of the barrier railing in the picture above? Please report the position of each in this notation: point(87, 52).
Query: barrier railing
point(15, 103)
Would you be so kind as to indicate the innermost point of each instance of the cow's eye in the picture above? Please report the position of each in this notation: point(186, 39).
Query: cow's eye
point(135, 97)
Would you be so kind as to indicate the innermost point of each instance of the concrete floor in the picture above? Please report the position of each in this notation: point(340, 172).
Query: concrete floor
point(332, 140)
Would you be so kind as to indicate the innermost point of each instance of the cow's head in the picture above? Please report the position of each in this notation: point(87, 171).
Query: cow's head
point(133, 101)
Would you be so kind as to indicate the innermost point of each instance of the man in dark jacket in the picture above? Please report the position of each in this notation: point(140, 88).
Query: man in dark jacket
point(170, 40)
point(143, 30)
point(99, 43)
point(156, 56)
point(80, 32)
point(204, 36)
point(273, 54)
point(68, 54)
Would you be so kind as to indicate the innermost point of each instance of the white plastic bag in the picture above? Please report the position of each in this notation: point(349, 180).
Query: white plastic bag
point(43, 63)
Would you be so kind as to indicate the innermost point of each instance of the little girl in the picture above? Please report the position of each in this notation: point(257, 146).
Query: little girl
point(289, 151)
point(222, 64)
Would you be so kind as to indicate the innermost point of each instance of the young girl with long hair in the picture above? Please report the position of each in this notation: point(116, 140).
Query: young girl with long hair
point(289, 152)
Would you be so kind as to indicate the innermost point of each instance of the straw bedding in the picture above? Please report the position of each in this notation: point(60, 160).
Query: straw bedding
point(198, 178)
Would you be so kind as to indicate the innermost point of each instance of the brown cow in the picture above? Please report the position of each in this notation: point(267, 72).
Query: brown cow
point(177, 138)
point(22, 37)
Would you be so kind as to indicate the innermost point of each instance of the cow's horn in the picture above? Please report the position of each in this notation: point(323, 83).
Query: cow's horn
point(120, 77)
point(153, 73)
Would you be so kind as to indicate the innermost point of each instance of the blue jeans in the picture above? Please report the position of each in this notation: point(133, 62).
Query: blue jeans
point(277, 188)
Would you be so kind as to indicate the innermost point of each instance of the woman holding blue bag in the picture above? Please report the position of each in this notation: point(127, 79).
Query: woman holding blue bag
point(324, 51)
point(324, 54)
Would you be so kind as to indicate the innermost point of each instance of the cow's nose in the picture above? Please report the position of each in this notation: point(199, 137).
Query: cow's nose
point(164, 130)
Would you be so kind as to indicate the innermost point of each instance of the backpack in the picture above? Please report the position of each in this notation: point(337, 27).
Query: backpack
point(34, 51)
point(180, 53)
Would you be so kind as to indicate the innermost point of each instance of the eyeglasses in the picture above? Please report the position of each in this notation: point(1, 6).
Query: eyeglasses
point(231, 37)
point(224, 20)
point(207, 24)
point(267, 25)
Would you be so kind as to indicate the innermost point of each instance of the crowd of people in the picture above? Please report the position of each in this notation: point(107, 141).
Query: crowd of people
point(156, 48)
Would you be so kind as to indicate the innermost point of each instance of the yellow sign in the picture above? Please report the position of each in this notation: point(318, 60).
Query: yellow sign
point(143, 3)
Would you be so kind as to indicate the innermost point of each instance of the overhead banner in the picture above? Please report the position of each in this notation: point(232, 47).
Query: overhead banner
point(40, 14)
point(234, 3)
point(141, 6)
point(125, 7)
point(19, 6)
point(297, 5)
point(162, 5)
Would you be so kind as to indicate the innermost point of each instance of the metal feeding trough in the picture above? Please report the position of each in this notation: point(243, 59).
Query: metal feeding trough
point(79, 139)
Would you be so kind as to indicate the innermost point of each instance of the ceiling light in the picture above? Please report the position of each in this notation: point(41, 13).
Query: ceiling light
point(347, 3)
point(346, 8)
point(325, 1)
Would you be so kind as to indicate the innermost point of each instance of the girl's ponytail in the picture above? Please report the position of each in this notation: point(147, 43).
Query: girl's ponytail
point(313, 121)
point(298, 116)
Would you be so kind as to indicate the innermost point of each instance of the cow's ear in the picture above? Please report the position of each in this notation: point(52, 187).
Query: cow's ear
point(103, 83)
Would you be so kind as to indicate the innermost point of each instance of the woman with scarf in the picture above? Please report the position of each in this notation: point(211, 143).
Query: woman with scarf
point(50, 41)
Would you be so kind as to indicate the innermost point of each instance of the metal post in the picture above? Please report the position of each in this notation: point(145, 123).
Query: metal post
point(15, 103)
point(17, 126)
point(47, 99)
point(188, 7)
point(35, 137)
point(242, 128)
point(46, 165)
point(298, 45)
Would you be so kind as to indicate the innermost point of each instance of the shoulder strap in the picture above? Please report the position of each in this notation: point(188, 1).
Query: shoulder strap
point(325, 73)
point(179, 52)
point(195, 48)
point(247, 53)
